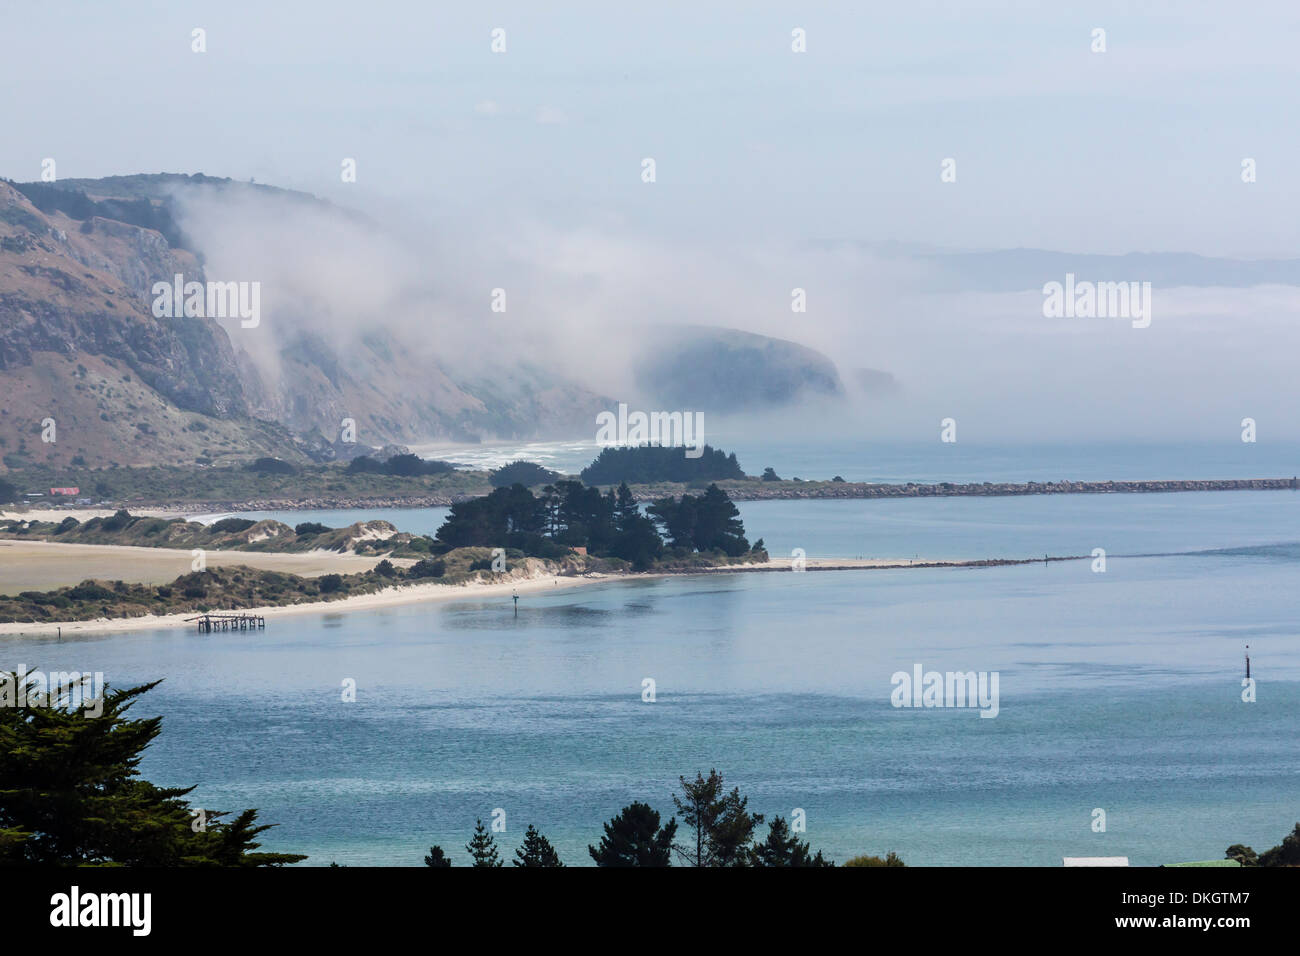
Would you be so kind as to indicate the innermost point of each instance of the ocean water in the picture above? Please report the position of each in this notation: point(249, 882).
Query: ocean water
point(1118, 691)
point(864, 459)
point(964, 528)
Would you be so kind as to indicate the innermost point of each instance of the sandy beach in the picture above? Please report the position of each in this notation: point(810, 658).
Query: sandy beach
point(429, 592)
point(46, 565)
point(389, 597)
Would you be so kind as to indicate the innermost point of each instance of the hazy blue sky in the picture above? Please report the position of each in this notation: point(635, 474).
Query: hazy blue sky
point(522, 170)
point(1137, 148)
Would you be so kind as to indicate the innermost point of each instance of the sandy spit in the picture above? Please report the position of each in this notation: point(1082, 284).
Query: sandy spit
point(474, 590)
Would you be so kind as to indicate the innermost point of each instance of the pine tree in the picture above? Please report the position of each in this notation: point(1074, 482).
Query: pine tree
point(483, 847)
point(627, 508)
point(1286, 853)
point(1242, 854)
point(71, 792)
point(435, 857)
point(536, 851)
point(720, 823)
point(634, 838)
point(782, 848)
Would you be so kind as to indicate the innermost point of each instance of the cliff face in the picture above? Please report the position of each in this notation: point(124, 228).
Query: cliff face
point(70, 288)
point(79, 343)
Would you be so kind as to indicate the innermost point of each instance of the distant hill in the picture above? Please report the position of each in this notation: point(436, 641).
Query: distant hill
point(724, 370)
point(1018, 270)
point(79, 344)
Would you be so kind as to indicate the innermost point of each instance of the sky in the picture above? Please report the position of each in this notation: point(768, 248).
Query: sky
point(1056, 146)
point(523, 169)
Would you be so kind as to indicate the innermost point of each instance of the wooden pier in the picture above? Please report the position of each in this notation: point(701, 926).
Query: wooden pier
point(227, 622)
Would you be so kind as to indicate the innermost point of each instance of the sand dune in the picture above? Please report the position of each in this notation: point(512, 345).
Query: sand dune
point(391, 597)
point(45, 565)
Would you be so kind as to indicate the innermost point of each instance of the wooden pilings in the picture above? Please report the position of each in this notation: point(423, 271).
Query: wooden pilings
point(228, 622)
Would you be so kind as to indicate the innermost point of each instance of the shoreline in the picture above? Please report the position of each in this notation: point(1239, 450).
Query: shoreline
point(434, 593)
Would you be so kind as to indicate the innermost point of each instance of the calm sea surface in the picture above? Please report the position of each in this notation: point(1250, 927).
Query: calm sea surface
point(1118, 690)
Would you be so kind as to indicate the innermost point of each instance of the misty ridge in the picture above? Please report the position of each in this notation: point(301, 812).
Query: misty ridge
point(424, 326)
point(947, 334)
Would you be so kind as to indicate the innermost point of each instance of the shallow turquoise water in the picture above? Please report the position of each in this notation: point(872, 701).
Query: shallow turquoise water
point(1117, 690)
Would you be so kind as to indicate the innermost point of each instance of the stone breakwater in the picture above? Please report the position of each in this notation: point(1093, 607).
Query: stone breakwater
point(992, 489)
point(750, 491)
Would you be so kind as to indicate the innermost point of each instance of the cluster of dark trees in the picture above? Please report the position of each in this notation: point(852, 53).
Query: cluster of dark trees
point(405, 466)
point(649, 464)
point(707, 522)
point(1286, 853)
point(71, 792)
point(526, 473)
point(482, 849)
point(717, 829)
point(272, 466)
point(568, 514)
point(139, 212)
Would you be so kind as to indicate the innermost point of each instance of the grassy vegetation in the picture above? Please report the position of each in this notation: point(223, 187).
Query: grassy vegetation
point(228, 534)
point(237, 588)
point(268, 535)
point(175, 485)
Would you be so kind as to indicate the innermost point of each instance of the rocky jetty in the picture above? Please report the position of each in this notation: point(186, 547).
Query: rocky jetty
point(847, 489)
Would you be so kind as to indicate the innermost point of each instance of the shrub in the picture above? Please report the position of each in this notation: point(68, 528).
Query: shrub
point(329, 583)
point(273, 466)
point(121, 519)
point(364, 465)
point(89, 591)
point(890, 860)
point(310, 527)
point(524, 473)
point(406, 466)
point(231, 525)
point(424, 568)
